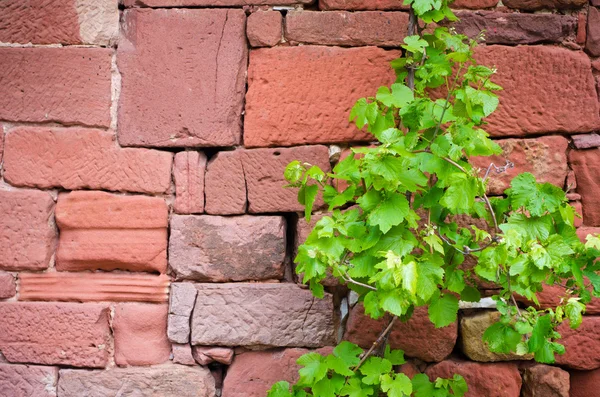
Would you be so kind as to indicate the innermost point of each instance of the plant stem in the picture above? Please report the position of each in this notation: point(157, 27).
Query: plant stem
point(380, 339)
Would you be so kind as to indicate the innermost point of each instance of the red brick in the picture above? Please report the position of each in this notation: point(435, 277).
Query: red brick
point(582, 232)
point(489, 380)
point(592, 43)
point(65, 85)
point(28, 380)
point(27, 237)
point(264, 169)
point(474, 4)
point(585, 383)
point(355, 5)
point(581, 28)
point(79, 158)
point(544, 380)
point(408, 336)
point(300, 95)
point(586, 141)
point(541, 4)
point(182, 354)
point(8, 287)
point(188, 173)
point(93, 287)
point(55, 333)
point(561, 99)
point(183, 77)
point(545, 157)
point(551, 295)
point(582, 344)
point(59, 21)
point(346, 28)
point(587, 168)
point(141, 334)
point(211, 3)
point(264, 28)
point(225, 184)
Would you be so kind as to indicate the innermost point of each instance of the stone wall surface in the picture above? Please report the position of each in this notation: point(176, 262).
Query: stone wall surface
point(146, 239)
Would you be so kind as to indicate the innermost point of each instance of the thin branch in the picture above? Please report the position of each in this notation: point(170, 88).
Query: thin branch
point(489, 205)
point(380, 339)
point(499, 170)
point(454, 163)
point(349, 279)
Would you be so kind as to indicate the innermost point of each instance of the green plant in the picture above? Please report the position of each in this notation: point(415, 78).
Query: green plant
point(400, 230)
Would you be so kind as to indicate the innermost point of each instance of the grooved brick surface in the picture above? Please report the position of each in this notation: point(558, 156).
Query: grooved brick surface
point(285, 106)
point(225, 185)
point(183, 77)
point(188, 174)
point(28, 380)
point(64, 85)
point(79, 158)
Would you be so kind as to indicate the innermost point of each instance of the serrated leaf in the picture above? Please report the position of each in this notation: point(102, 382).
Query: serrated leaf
point(355, 388)
point(396, 357)
point(443, 311)
point(397, 386)
point(314, 368)
point(502, 338)
point(391, 211)
point(373, 368)
point(280, 389)
point(348, 352)
point(306, 196)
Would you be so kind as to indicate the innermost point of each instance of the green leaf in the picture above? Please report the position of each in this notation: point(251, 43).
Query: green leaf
point(470, 294)
point(280, 389)
point(348, 352)
point(415, 44)
point(574, 311)
point(355, 388)
point(423, 387)
point(443, 311)
point(390, 212)
point(328, 387)
point(306, 196)
point(460, 195)
point(293, 171)
point(373, 368)
point(398, 97)
point(363, 113)
point(502, 338)
point(396, 357)
point(338, 365)
point(397, 386)
point(314, 369)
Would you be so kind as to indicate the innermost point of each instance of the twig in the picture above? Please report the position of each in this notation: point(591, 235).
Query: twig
point(454, 163)
point(487, 201)
point(499, 170)
point(381, 337)
point(349, 279)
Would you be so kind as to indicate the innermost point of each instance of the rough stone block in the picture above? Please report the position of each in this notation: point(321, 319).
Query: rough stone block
point(211, 3)
point(586, 141)
point(64, 85)
point(551, 295)
point(28, 380)
point(356, 5)
point(182, 354)
point(183, 77)
point(205, 355)
point(264, 28)
point(78, 158)
point(285, 108)
point(181, 304)
point(584, 383)
point(8, 287)
point(27, 236)
point(531, 5)
point(592, 43)
point(225, 185)
point(474, 4)
point(55, 333)
point(188, 173)
point(99, 230)
point(582, 345)
point(541, 380)
point(261, 315)
point(587, 168)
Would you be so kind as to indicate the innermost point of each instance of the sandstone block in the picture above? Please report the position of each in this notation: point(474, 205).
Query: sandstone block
point(78, 158)
point(547, 4)
point(28, 380)
point(284, 108)
point(264, 28)
point(584, 383)
point(489, 380)
point(55, 333)
point(211, 3)
point(199, 101)
point(562, 99)
point(545, 381)
point(205, 355)
point(163, 380)
point(181, 304)
point(8, 287)
point(182, 354)
point(356, 5)
point(225, 185)
point(188, 173)
point(99, 230)
point(582, 344)
point(27, 236)
point(264, 169)
point(586, 141)
point(408, 336)
point(261, 314)
point(346, 28)
point(587, 168)
point(592, 43)
point(64, 85)
point(216, 248)
point(90, 287)
point(474, 4)
point(59, 22)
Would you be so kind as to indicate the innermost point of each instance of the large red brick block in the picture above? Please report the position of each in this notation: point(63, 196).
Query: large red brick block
point(547, 4)
point(489, 380)
point(585, 383)
point(78, 158)
point(188, 173)
point(211, 3)
point(59, 22)
point(474, 4)
point(183, 77)
point(587, 168)
point(264, 28)
point(550, 297)
point(253, 314)
point(8, 287)
point(55, 333)
point(592, 43)
point(544, 157)
point(561, 99)
point(408, 336)
point(65, 85)
point(27, 237)
point(285, 106)
point(582, 344)
point(346, 28)
point(225, 185)
point(28, 380)
point(141, 334)
point(361, 5)
point(220, 249)
point(99, 230)
point(263, 169)
point(544, 380)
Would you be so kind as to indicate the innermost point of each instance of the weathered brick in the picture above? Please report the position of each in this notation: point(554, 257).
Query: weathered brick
point(263, 169)
point(78, 158)
point(541, 4)
point(65, 85)
point(584, 383)
point(489, 380)
point(28, 380)
point(225, 185)
point(27, 236)
point(356, 5)
point(99, 230)
point(561, 99)
point(408, 336)
point(163, 380)
point(188, 172)
point(181, 304)
point(211, 3)
point(285, 107)
point(55, 333)
point(59, 21)
point(474, 4)
point(513, 28)
point(592, 43)
point(183, 77)
point(261, 314)
point(140, 332)
point(543, 380)
point(346, 28)
point(219, 249)
point(182, 354)
point(587, 168)
point(582, 345)
point(8, 287)
point(205, 355)
point(544, 157)
point(93, 287)
point(550, 297)
point(586, 141)
point(264, 28)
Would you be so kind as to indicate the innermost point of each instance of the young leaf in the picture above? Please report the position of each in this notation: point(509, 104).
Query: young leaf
point(443, 311)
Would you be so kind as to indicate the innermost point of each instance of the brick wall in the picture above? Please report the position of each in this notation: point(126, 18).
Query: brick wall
point(145, 237)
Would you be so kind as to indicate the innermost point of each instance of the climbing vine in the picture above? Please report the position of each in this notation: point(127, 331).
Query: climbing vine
point(401, 223)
